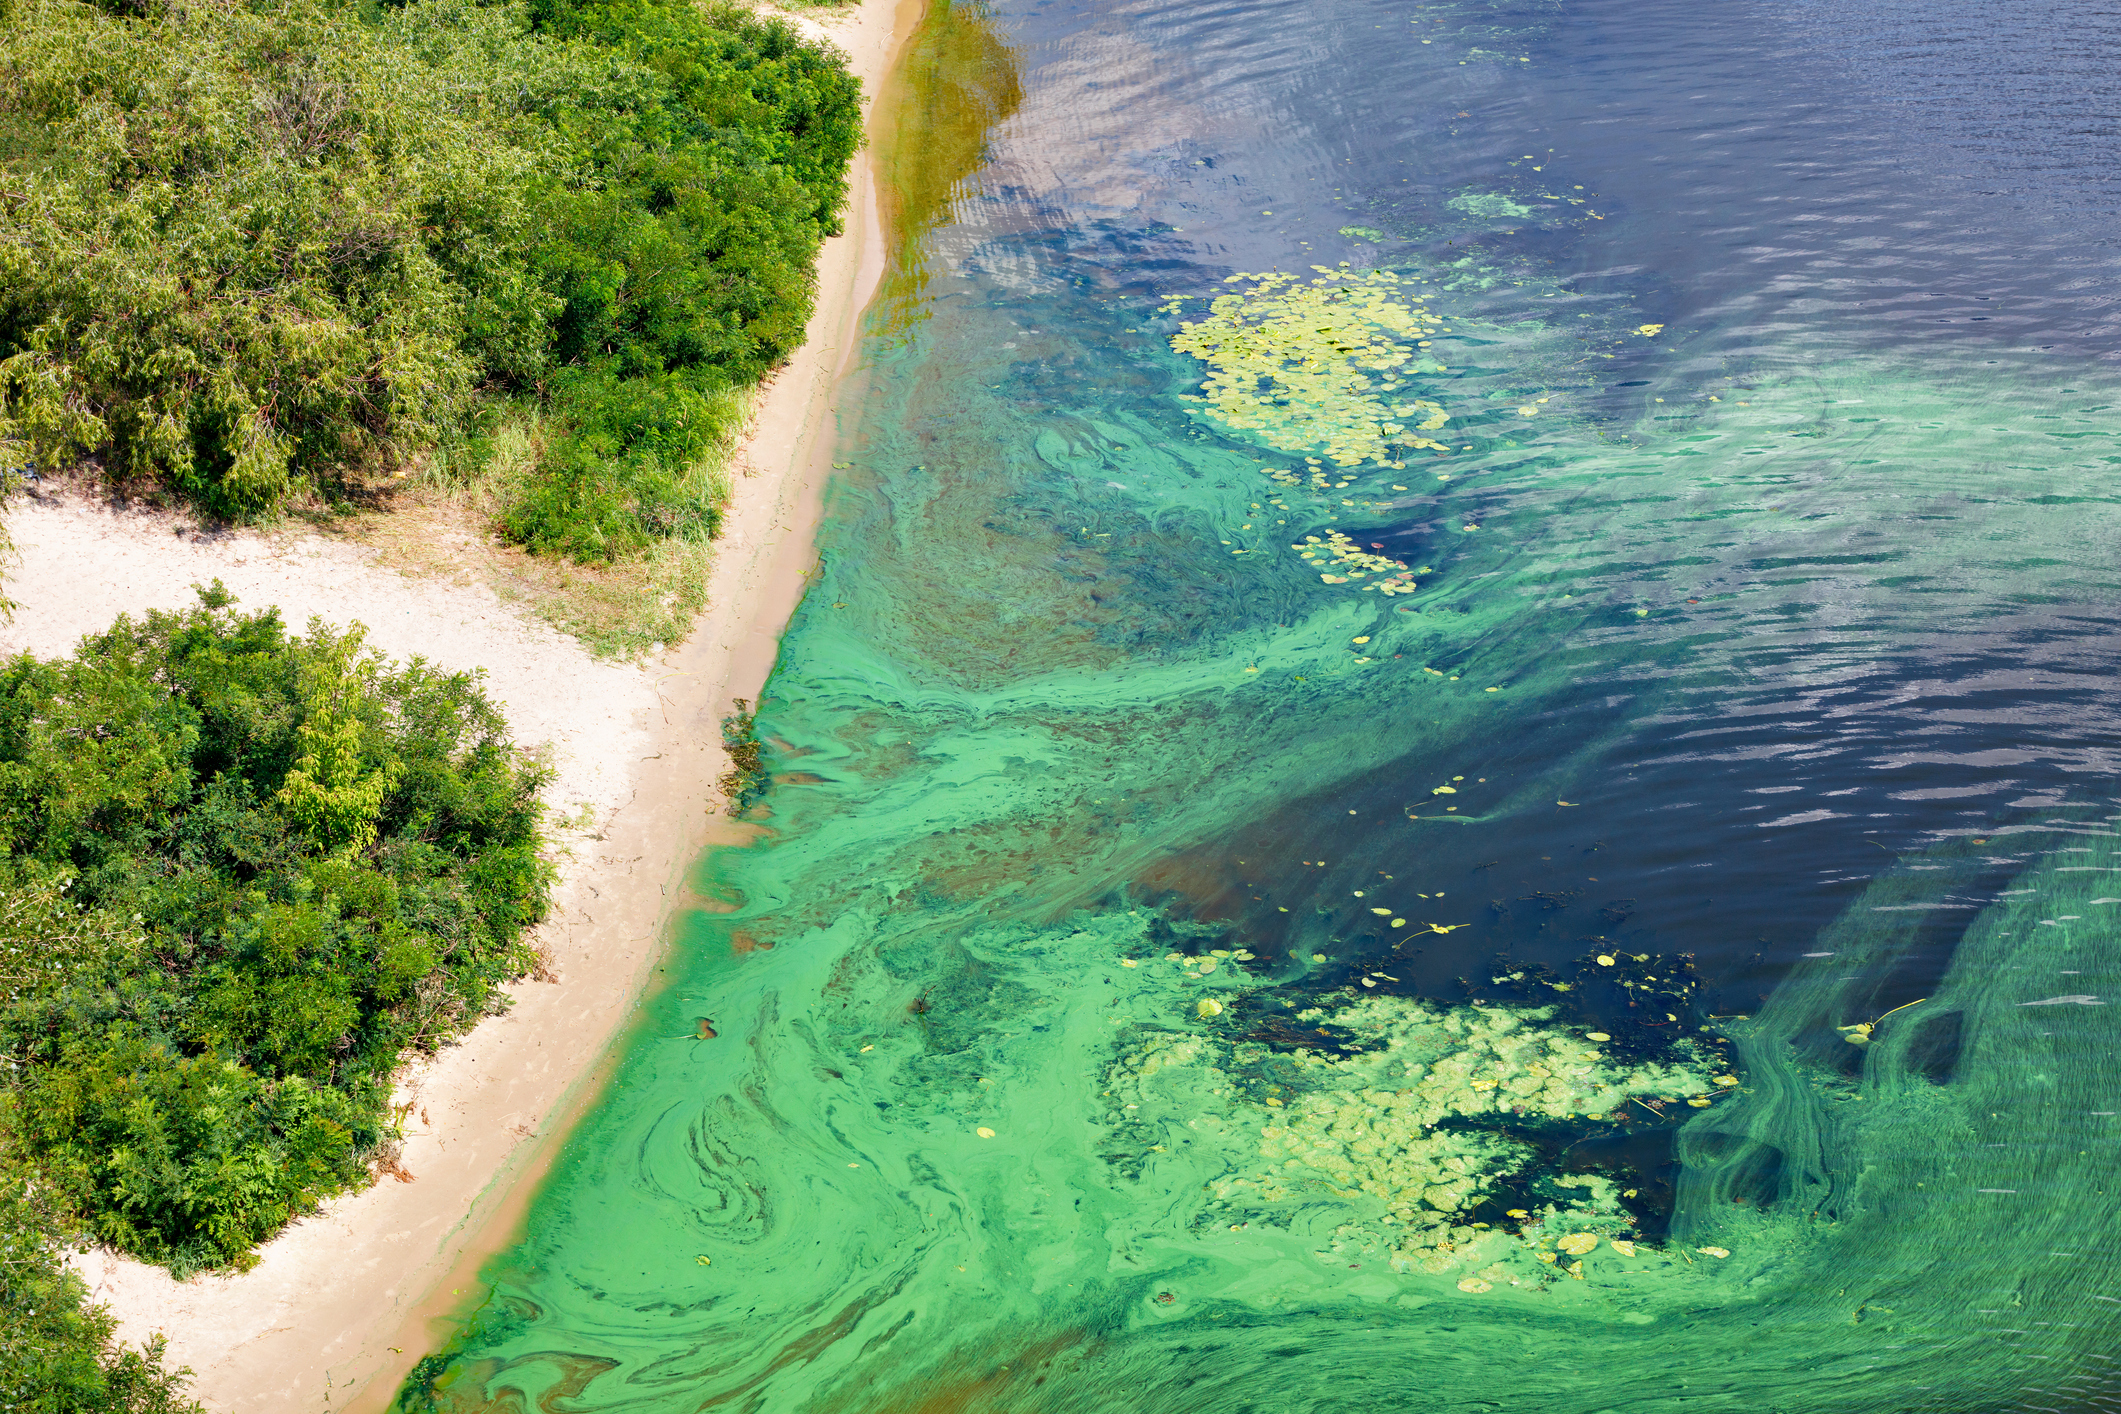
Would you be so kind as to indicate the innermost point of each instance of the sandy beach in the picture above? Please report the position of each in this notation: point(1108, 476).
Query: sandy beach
point(343, 1303)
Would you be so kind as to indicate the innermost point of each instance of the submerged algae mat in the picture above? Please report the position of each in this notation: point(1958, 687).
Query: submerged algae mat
point(984, 1128)
point(1111, 1017)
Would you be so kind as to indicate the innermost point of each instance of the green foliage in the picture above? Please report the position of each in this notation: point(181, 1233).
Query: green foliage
point(253, 253)
point(332, 794)
point(640, 463)
point(736, 71)
point(45, 939)
point(621, 607)
point(243, 872)
point(745, 780)
point(188, 1159)
point(685, 271)
point(57, 1355)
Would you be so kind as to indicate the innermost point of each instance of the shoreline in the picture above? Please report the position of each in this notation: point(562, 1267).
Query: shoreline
point(342, 1303)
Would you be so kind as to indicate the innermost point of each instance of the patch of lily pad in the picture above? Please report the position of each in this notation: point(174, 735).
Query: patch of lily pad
point(1407, 1128)
point(1324, 364)
point(1354, 563)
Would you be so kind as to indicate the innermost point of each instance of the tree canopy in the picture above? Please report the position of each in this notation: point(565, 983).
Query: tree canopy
point(241, 872)
point(253, 251)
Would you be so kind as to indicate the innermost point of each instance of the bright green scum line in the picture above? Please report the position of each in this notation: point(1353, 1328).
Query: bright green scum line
point(946, 956)
point(1885, 1270)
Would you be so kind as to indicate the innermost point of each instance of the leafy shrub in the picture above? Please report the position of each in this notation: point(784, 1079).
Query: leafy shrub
point(241, 873)
point(57, 1355)
point(214, 273)
point(734, 71)
point(636, 465)
point(186, 1160)
point(253, 252)
point(745, 780)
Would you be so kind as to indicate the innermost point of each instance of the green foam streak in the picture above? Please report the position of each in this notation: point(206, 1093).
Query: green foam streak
point(869, 1257)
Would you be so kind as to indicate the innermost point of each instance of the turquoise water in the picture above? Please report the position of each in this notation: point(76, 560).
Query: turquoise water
point(1277, 902)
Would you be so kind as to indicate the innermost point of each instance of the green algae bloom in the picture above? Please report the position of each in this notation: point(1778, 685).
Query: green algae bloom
point(1320, 364)
point(1204, 1219)
point(1489, 206)
point(1383, 1132)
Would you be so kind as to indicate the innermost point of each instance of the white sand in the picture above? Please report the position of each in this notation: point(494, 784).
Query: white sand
point(78, 564)
point(343, 1303)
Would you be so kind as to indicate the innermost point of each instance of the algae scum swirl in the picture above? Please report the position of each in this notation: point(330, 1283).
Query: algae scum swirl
point(1442, 760)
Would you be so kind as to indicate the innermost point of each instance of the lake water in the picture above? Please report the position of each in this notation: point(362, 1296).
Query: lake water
point(1567, 864)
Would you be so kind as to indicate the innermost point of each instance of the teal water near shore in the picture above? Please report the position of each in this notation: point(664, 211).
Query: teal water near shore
point(1603, 901)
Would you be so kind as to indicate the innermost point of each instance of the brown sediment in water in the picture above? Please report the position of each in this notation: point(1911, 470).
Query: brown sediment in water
point(958, 80)
point(464, 1392)
point(1008, 1385)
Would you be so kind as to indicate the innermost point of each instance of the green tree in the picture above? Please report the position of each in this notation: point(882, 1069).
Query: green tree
point(259, 254)
point(241, 873)
point(57, 1351)
point(337, 787)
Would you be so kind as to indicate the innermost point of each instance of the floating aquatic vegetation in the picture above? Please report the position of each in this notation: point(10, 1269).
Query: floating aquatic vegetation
point(1316, 478)
point(1334, 548)
point(1489, 206)
point(1391, 1128)
point(984, 765)
point(1322, 363)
